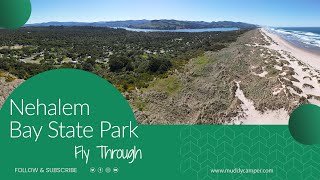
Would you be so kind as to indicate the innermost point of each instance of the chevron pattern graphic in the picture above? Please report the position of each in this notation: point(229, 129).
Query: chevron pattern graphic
point(204, 148)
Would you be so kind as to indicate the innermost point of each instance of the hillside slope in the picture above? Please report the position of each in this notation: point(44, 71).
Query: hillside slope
point(155, 24)
point(175, 24)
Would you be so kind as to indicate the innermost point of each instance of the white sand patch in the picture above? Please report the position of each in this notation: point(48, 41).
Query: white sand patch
point(278, 67)
point(277, 91)
point(250, 116)
point(253, 45)
point(283, 74)
point(263, 74)
point(292, 91)
point(314, 101)
point(306, 66)
point(300, 75)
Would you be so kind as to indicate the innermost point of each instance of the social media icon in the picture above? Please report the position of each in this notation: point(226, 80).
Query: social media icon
point(100, 170)
point(92, 170)
point(115, 170)
point(108, 170)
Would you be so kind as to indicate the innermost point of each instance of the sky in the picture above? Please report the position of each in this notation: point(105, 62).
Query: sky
point(277, 13)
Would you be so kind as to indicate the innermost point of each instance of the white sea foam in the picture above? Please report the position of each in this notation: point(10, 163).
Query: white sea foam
point(308, 38)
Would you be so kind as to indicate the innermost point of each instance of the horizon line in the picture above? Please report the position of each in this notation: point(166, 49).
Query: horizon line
point(73, 21)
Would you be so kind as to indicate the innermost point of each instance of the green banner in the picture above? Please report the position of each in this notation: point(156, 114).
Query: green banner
point(72, 124)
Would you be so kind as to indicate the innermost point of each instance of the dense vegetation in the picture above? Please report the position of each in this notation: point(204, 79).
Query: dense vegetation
point(127, 59)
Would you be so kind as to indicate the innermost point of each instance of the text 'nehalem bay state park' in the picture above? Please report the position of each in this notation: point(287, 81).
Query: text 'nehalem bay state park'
point(19, 129)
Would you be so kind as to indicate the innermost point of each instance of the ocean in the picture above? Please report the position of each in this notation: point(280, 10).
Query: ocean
point(305, 37)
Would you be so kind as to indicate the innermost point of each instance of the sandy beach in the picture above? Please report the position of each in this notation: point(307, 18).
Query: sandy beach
point(307, 57)
point(305, 68)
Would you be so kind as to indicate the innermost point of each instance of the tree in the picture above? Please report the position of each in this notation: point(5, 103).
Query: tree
point(117, 63)
point(87, 67)
point(159, 65)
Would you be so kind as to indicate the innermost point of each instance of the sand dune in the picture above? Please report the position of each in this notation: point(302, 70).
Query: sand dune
point(306, 66)
point(305, 80)
point(309, 58)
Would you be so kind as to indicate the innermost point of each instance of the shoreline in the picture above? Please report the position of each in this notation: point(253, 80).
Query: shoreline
point(305, 64)
point(300, 45)
point(298, 75)
point(308, 57)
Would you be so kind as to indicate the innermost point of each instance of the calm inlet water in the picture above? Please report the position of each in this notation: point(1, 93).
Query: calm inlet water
point(183, 30)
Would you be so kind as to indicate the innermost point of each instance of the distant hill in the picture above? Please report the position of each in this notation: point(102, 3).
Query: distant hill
point(174, 24)
point(53, 23)
point(95, 24)
point(155, 24)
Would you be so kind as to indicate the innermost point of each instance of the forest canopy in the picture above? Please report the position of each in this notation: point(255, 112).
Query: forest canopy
point(125, 58)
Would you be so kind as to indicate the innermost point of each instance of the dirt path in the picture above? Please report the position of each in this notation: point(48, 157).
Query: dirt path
point(250, 116)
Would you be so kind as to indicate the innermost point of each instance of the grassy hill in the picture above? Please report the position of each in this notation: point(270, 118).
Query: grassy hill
point(174, 24)
point(155, 24)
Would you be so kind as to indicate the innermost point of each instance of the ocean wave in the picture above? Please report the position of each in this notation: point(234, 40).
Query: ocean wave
point(308, 38)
